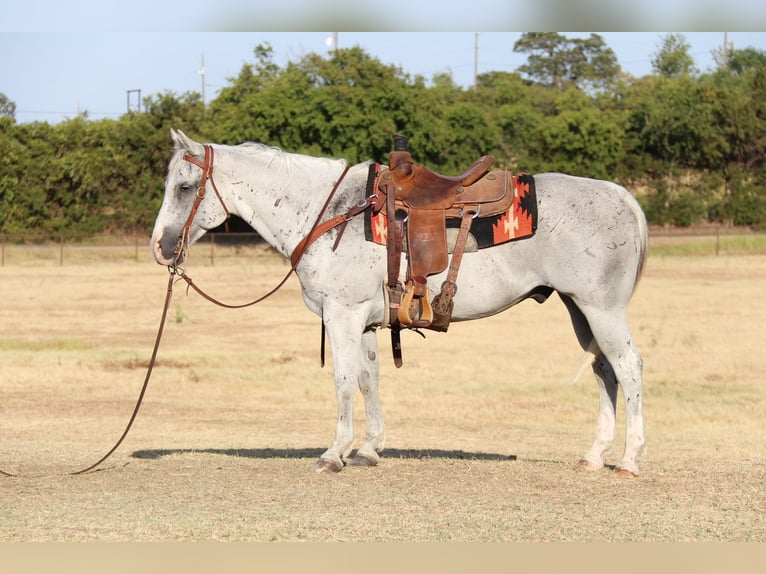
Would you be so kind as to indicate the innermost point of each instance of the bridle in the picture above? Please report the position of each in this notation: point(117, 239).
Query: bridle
point(174, 269)
point(207, 174)
point(182, 246)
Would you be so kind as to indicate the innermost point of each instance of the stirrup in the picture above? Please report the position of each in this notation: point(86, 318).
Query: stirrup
point(426, 315)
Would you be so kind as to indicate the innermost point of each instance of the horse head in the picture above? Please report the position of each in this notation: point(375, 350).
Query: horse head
point(187, 211)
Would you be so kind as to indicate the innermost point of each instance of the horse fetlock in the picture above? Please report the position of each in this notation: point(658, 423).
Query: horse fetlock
point(627, 466)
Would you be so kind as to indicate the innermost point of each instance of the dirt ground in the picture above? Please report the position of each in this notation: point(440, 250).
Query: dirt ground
point(483, 433)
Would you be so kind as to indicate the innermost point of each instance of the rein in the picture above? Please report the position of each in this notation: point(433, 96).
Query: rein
point(297, 254)
point(183, 246)
point(140, 399)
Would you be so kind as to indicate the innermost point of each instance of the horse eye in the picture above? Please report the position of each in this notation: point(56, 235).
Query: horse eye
point(185, 187)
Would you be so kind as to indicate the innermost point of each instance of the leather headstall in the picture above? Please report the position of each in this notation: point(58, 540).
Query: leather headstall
point(207, 174)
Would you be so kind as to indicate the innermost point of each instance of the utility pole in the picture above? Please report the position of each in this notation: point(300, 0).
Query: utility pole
point(476, 61)
point(332, 43)
point(201, 72)
point(725, 50)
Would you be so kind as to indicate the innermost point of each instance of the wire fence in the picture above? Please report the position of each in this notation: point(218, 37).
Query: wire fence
point(707, 240)
point(65, 249)
point(221, 248)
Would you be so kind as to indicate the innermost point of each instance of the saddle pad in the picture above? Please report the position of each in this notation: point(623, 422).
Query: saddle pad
point(518, 222)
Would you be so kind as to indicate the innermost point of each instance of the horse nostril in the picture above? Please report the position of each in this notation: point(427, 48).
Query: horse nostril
point(155, 245)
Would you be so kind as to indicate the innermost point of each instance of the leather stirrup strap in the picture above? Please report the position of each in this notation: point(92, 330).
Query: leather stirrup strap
point(394, 251)
point(393, 242)
point(442, 303)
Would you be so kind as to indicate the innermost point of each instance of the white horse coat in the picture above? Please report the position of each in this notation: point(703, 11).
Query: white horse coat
point(590, 247)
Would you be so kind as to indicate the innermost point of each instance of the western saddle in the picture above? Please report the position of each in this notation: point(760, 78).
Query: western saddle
point(417, 202)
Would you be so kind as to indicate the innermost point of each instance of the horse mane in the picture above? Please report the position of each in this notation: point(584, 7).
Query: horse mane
point(257, 147)
point(286, 159)
point(285, 162)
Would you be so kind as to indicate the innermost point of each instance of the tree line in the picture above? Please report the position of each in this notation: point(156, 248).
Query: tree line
point(690, 145)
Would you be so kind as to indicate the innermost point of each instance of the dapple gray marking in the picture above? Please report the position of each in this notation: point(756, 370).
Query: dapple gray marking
point(590, 247)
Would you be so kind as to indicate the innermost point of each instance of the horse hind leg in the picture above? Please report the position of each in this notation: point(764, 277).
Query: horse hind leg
point(620, 362)
point(607, 410)
point(609, 332)
point(628, 367)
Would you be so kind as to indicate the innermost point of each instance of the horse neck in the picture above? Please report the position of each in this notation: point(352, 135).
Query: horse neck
point(280, 195)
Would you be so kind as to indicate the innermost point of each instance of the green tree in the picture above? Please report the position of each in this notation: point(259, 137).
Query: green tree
point(559, 62)
point(747, 59)
point(518, 108)
point(28, 150)
point(170, 110)
point(7, 107)
point(349, 105)
point(673, 59)
point(695, 144)
point(670, 118)
point(580, 138)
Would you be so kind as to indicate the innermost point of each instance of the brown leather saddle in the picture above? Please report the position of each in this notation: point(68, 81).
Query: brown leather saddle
point(417, 202)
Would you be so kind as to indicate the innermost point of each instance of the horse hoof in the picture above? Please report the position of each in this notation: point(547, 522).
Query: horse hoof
point(624, 472)
point(589, 465)
point(324, 466)
point(363, 460)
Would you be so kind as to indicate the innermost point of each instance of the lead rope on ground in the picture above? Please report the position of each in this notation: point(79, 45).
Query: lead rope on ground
point(139, 401)
point(174, 269)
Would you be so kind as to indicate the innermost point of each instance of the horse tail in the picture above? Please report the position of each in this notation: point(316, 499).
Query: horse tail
point(643, 236)
point(588, 357)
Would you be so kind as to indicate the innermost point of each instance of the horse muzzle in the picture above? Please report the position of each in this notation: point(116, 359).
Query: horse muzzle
point(163, 246)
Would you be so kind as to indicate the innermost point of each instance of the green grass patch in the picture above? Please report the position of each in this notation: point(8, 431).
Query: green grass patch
point(51, 345)
point(707, 245)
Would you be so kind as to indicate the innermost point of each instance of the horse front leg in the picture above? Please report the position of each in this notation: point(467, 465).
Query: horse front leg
point(355, 364)
point(369, 385)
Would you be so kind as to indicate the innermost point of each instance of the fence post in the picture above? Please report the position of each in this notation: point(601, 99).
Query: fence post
point(61, 250)
point(212, 249)
point(718, 240)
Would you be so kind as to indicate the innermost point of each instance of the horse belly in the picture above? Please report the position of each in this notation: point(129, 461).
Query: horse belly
point(491, 281)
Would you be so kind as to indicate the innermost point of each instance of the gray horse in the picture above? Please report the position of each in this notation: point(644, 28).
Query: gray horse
point(590, 247)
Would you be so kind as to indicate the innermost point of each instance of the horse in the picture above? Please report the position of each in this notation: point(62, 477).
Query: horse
point(590, 248)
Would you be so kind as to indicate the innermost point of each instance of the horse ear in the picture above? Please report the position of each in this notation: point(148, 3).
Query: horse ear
point(185, 143)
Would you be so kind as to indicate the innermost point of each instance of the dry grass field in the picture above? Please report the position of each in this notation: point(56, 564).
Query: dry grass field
point(238, 410)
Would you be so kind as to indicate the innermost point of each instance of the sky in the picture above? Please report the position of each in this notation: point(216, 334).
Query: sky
point(60, 59)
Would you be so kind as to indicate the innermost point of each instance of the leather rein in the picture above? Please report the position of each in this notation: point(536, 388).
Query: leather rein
point(316, 230)
point(182, 248)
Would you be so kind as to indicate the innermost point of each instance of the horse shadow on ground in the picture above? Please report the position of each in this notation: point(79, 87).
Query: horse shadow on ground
point(314, 453)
